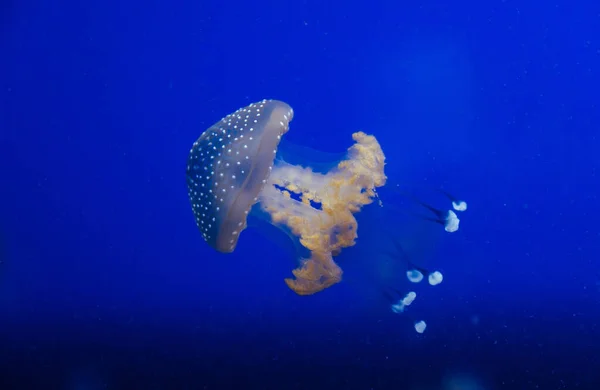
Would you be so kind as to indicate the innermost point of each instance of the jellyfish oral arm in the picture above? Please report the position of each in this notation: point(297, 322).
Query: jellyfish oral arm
point(315, 274)
point(341, 192)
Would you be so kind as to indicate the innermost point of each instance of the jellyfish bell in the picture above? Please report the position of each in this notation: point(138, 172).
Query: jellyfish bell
point(232, 169)
point(228, 166)
point(292, 151)
point(435, 278)
point(420, 326)
point(414, 275)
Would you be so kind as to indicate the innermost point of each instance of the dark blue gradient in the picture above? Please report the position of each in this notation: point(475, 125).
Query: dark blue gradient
point(106, 283)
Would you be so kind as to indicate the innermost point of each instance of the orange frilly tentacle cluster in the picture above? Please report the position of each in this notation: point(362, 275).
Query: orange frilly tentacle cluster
point(341, 192)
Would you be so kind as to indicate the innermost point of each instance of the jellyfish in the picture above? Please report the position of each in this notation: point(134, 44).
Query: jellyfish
point(448, 219)
point(414, 273)
point(399, 303)
point(232, 170)
point(457, 204)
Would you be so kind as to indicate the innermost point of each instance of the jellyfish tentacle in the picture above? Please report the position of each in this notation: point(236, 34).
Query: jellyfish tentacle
point(402, 253)
point(390, 295)
point(448, 219)
point(457, 204)
point(414, 272)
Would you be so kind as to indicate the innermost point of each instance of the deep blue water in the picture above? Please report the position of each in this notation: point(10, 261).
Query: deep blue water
point(106, 282)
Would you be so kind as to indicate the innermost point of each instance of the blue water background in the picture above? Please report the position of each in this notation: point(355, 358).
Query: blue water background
point(105, 281)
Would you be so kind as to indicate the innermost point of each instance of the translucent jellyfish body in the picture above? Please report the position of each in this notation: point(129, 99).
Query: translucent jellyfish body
point(233, 166)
